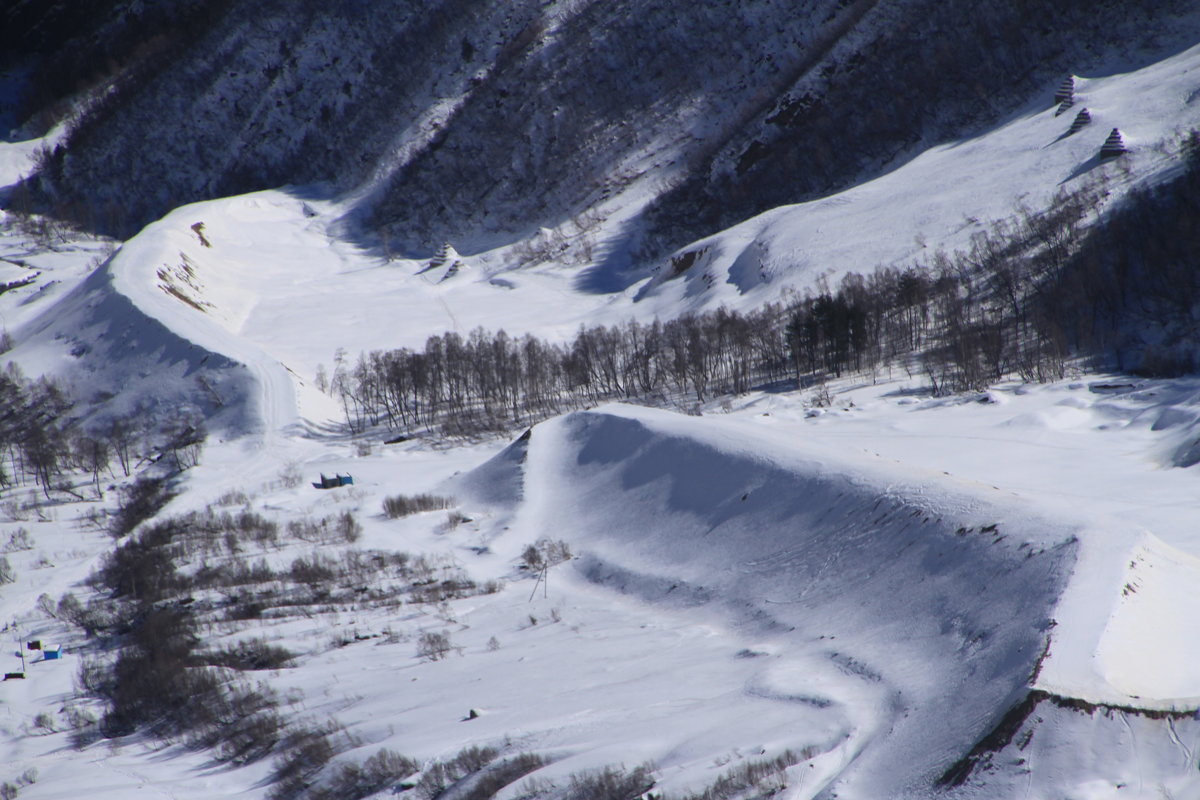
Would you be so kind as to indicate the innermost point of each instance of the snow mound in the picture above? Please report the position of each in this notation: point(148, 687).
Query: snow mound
point(500, 481)
point(1151, 644)
point(917, 610)
point(112, 353)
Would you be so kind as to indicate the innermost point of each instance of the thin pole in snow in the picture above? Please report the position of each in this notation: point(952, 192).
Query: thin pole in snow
point(543, 575)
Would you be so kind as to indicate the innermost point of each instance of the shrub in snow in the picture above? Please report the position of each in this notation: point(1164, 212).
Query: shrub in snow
point(18, 540)
point(402, 505)
point(9, 791)
point(611, 783)
point(313, 569)
point(92, 618)
point(433, 645)
point(143, 567)
point(185, 439)
point(85, 728)
point(251, 654)
point(327, 530)
point(307, 749)
point(290, 475)
point(443, 774)
point(140, 501)
point(532, 559)
point(351, 781)
point(348, 528)
point(453, 520)
point(503, 774)
point(545, 553)
point(758, 778)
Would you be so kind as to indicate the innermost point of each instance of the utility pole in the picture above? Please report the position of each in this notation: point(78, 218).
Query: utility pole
point(20, 648)
point(543, 579)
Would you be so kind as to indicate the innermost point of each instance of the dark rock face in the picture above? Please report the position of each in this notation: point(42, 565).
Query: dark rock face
point(481, 122)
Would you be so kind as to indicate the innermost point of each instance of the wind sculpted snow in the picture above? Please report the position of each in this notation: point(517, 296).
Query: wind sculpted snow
point(887, 597)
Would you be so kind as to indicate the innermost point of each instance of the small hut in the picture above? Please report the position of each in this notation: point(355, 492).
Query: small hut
point(1084, 117)
point(1113, 146)
point(332, 483)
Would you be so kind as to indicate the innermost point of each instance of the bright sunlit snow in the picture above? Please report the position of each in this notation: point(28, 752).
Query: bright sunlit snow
point(867, 584)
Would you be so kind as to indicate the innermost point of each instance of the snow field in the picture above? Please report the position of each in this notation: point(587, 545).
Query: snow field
point(781, 577)
point(547, 688)
point(835, 612)
point(819, 555)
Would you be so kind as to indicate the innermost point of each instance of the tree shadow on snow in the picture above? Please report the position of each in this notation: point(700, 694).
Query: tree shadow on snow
point(615, 270)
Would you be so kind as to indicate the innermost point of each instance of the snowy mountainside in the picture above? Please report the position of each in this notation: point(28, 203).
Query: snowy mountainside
point(254, 285)
point(113, 349)
point(481, 124)
point(264, 265)
point(860, 607)
point(860, 590)
point(948, 193)
point(937, 627)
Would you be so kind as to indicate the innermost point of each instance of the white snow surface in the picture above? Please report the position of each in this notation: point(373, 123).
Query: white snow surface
point(871, 585)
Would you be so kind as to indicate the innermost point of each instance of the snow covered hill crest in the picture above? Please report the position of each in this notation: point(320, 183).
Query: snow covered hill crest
point(931, 603)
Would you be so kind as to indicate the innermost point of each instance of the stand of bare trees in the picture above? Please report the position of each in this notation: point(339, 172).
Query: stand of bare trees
point(965, 320)
point(43, 443)
point(1031, 294)
point(491, 381)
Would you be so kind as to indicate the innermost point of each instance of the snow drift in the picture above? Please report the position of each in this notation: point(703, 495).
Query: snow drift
point(931, 608)
point(118, 359)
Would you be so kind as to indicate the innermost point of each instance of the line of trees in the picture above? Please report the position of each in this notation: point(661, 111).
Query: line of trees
point(491, 381)
point(964, 320)
point(1029, 295)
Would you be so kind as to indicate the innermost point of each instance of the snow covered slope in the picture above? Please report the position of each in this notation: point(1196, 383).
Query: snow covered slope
point(481, 123)
point(1099, 459)
point(943, 196)
point(869, 596)
point(935, 600)
point(988, 597)
point(274, 282)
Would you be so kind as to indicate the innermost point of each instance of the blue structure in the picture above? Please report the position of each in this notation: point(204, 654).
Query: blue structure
point(334, 482)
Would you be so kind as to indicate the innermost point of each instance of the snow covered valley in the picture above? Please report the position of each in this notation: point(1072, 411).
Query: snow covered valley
point(858, 588)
